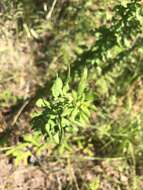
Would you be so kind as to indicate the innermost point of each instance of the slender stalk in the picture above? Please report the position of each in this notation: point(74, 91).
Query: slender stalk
point(51, 10)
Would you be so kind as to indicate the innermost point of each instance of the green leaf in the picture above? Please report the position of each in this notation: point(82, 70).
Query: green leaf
point(50, 126)
point(86, 110)
point(56, 138)
point(83, 81)
point(67, 111)
point(66, 88)
point(74, 113)
point(33, 139)
point(65, 122)
point(84, 119)
point(102, 86)
point(40, 102)
point(57, 88)
point(74, 95)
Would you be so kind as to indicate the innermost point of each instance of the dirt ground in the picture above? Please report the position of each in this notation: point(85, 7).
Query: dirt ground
point(106, 175)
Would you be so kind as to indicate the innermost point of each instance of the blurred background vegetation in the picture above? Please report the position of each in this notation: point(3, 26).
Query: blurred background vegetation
point(71, 89)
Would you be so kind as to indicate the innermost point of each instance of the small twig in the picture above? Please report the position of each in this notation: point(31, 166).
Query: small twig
point(19, 112)
point(2, 149)
point(51, 10)
point(71, 172)
point(7, 79)
point(75, 179)
point(59, 183)
point(83, 158)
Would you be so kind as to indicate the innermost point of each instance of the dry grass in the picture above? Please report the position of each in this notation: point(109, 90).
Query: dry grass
point(17, 70)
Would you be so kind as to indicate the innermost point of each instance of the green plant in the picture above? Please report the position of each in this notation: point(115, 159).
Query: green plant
point(105, 78)
point(94, 184)
point(7, 98)
point(65, 112)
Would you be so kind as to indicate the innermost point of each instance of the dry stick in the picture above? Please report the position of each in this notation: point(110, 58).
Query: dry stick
point(7, 79)
point(71, 171)
point(88, 158)
point(59, 183)
point(75, 179)
point(51, 10)
point(19, 112)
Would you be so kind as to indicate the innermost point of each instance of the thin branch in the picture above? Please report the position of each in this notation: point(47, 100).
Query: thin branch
point(51, 10)
point(19, 112)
